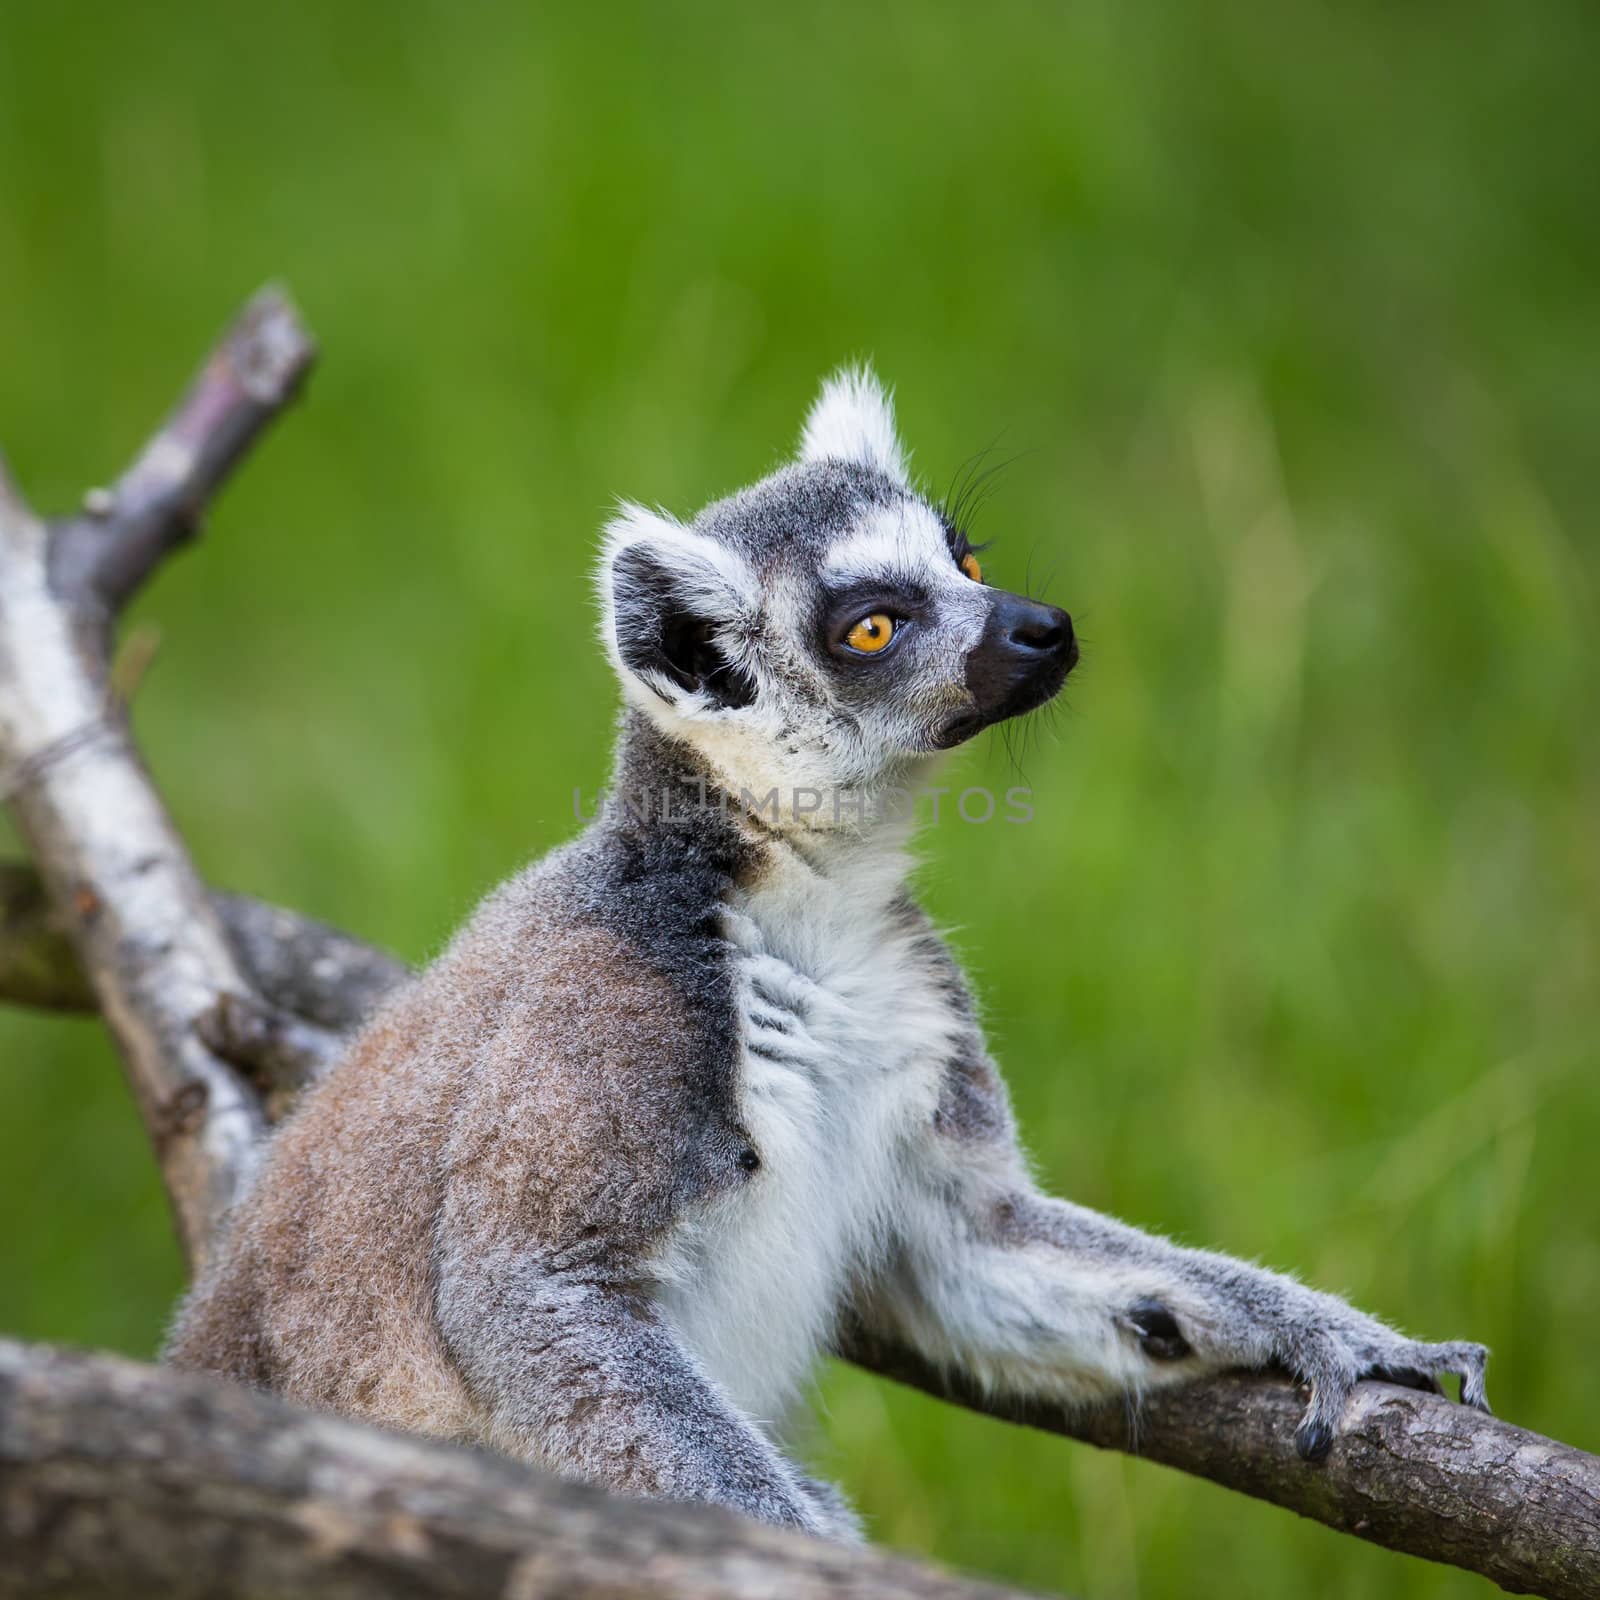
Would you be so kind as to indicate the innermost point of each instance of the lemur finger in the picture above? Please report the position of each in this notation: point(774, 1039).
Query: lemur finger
point(1331, 1378)
point(778, 984)
point(1433, 1361)
point(1314, 1437)
point(1469, 1362)
point(766, 1017)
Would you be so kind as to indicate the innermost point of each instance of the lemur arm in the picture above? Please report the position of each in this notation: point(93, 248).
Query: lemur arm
point(581, 1374)
point(1037, 1296)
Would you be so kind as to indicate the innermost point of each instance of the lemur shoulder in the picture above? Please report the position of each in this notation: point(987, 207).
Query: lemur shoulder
point(598, 1188)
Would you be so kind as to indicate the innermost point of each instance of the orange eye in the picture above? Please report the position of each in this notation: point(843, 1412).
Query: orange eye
point(969, 565)
point(871, 633)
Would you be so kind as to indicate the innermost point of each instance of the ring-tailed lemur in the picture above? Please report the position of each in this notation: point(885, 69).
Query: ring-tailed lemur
point(598, 1187)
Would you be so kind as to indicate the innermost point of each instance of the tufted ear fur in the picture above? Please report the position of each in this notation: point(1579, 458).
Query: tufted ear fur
point(852, 419)
point(676, 606)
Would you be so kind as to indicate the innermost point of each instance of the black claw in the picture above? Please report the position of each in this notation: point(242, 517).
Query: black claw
point(1159, 1335)
point(1313, 1439)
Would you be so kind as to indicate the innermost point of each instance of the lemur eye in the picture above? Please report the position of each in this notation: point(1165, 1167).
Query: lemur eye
point(969, 565)
point(871, 633)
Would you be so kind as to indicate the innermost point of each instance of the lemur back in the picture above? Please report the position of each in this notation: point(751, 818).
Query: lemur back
point(681, 1099)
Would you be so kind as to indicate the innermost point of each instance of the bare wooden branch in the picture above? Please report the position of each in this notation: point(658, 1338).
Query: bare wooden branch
point(294, 963)
point(305, 967)
point(124, 1480)
point(115, 869)
point(123, 534)
point(38, 966)
point(1409, 1471)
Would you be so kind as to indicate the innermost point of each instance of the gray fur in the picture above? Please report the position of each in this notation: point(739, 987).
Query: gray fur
point(596, 1188)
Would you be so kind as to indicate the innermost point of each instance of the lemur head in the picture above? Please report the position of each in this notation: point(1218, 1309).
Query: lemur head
point(828, 626)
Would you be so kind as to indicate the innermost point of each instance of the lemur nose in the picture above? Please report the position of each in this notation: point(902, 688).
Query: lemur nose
point(1034, 629)
point(1021, 659)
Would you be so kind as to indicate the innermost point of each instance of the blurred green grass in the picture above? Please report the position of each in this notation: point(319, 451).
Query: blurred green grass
point(1288, 314)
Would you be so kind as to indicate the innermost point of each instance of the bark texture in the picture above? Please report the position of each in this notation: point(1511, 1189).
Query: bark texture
point(1410, 1471)
point(135, 1482)
point(116, 1479)
point(122, 885)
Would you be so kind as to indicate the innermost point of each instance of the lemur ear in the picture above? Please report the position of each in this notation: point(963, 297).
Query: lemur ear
point(674, 605)
point(852, 419)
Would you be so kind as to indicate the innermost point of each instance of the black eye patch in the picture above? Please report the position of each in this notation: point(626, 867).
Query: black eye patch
point(879, 669)
point(840, 609)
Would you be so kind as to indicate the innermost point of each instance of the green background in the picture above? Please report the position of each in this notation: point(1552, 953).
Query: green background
point(1289, 316)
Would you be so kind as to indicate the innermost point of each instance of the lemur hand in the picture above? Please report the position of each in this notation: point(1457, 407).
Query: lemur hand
point(1317, 1338)
point(1333, 1360)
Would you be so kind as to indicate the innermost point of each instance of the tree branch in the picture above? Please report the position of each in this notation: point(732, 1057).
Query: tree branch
point(1410, 1471)
point(191, 982)
point(134, 1481)
point(305, 967)
point(294, 963)
point(107, 552)
point(117, 874)
point(38, 966)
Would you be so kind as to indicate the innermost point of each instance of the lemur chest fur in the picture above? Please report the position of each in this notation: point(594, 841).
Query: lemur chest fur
point(845, 1031)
